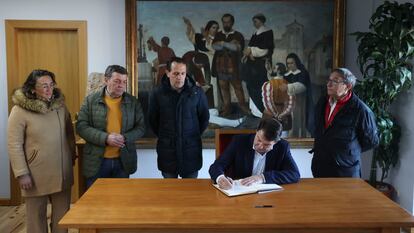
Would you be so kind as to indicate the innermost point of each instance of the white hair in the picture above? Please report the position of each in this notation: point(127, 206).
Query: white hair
point(348, 76)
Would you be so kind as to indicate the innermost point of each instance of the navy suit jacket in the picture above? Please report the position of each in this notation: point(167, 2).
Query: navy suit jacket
point(280, 168)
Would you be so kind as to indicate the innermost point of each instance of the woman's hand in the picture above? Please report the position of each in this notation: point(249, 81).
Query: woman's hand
point(247, 51)
point(25, 182)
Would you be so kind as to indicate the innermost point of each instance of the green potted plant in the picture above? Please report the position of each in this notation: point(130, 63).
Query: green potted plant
point(384, 55)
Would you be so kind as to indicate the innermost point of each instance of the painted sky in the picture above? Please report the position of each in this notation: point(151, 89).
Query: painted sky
point(164, 18)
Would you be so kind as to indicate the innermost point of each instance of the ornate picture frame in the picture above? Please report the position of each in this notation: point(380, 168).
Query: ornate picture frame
point(323, 54)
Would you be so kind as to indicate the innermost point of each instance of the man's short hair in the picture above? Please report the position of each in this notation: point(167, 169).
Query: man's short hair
point(347, 75)
point(114, 68)
point(271, 127)
point(176, 60)
point(228, 15)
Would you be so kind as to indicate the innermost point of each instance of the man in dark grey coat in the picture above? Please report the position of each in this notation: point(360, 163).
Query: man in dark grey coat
point(345, 127)
point(178, 115)
point(110, 120)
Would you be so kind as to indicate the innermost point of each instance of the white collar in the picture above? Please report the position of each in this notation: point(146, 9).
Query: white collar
point(261, 30)
point(209, 36)
point(293, 72)
point(258, 154)
point(277, 77)
point(227, 33)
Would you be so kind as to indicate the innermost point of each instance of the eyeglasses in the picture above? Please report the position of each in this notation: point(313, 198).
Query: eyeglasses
point(334, 82)
point(45, 86)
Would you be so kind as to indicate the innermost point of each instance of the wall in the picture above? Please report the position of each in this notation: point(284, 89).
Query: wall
point(147, 163)
point(106, 45)
point(401, 177)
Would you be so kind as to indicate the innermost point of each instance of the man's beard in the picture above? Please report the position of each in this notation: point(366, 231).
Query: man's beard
point(227, 29)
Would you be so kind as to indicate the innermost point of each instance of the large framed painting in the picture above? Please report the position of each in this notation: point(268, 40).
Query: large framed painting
point(252, 59)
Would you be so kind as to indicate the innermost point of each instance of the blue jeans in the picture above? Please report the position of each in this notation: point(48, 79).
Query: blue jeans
point(175, 175)
point(110, 168)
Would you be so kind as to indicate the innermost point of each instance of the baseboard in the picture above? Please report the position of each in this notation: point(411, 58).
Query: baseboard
point(4, 201)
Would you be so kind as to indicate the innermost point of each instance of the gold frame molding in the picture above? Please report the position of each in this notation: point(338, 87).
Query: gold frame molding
point(131, 55)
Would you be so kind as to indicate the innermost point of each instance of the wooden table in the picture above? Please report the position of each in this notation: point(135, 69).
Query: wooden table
point(79, 186)
point(174, 205)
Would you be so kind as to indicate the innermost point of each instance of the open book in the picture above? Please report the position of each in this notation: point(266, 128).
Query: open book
point(239, 189)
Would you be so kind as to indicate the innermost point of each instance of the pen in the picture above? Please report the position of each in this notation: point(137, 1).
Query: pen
point(266, 191)
point(263, 206)
point(229, 179)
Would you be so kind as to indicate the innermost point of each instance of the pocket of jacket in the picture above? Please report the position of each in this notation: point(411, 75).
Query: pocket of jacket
point(346, 161)
point(32, 156)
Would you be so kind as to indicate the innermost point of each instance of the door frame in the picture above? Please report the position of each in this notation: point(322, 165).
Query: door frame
point(12, 27)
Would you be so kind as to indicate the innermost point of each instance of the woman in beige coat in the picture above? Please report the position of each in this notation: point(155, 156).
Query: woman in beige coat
point(41, 147)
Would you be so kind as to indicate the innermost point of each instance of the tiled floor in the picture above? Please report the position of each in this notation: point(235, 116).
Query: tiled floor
point(12, 219)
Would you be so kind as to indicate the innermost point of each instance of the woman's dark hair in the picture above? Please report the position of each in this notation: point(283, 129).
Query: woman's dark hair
point(30, 83)
point(298, 62)
point(114, 68)
point(271, 127)
point(260, 17)
point(210, 24)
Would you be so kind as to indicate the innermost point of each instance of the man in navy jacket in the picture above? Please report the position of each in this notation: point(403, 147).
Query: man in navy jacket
point(257, 158)
point(178, 115)
point(345, 127)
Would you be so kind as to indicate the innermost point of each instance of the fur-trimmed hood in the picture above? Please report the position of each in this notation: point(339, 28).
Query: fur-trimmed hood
point(37, 105)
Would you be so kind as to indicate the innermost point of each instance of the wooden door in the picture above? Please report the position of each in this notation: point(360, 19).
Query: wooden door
point(57, 46)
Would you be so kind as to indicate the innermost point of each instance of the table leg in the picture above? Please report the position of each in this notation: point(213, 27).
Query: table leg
point(81, 179)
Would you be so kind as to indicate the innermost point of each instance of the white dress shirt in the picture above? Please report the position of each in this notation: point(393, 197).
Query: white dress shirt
point(332, 103)
point(259, 163)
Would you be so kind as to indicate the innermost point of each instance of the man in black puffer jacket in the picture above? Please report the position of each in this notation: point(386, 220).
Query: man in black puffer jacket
point(178, 115)
point(345, 127)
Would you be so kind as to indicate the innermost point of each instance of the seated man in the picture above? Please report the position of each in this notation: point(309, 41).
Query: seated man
point(257, 158)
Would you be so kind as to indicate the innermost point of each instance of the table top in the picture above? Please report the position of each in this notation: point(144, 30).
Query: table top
point(195, 203)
